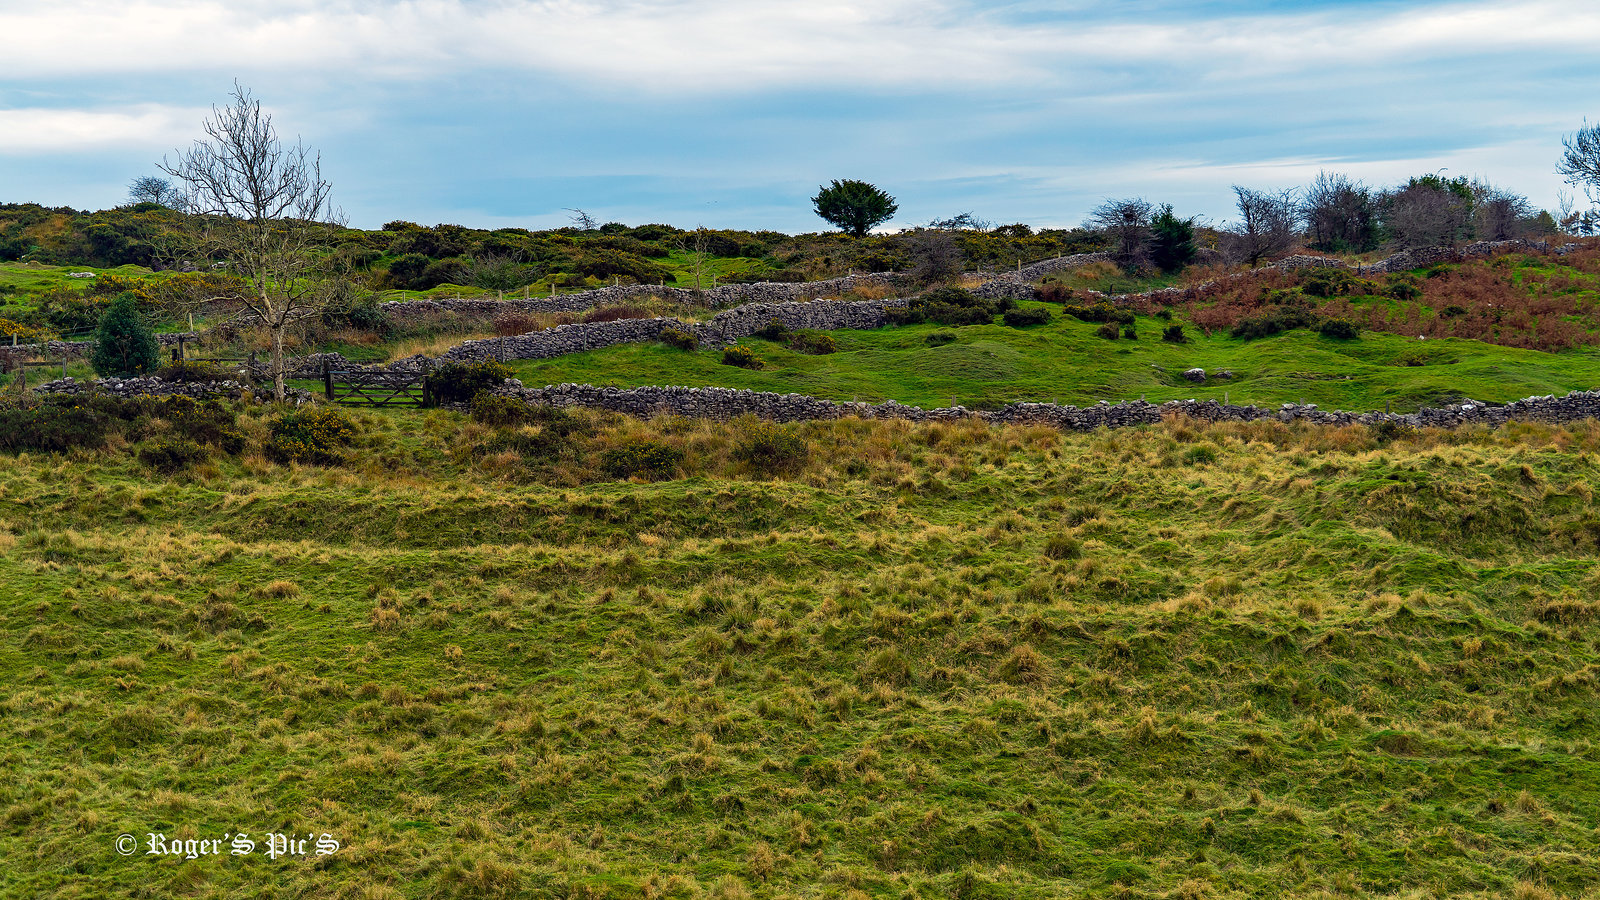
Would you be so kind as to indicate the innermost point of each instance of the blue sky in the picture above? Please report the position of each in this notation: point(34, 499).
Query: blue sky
point(730, 113)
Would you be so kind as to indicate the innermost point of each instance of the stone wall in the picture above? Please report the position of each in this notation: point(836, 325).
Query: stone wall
point(728, 403)
point(727, 295)
point(155, 387)
point(81, 349)
point(724, 328)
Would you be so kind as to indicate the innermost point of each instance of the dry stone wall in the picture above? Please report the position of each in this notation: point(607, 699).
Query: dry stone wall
point(723, 328)
point(728, 295)
point(729, 403)
point(155, 387)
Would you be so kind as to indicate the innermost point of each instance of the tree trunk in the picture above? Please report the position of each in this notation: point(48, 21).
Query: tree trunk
point(277, 363)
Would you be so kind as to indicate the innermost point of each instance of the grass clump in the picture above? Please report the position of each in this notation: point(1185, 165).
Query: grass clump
point(678, 338)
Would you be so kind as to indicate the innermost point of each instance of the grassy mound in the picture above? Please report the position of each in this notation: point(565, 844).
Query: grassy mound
point(927, 661)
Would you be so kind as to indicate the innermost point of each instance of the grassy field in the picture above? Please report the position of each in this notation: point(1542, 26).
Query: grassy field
point(1066, 361)
point(932, 661)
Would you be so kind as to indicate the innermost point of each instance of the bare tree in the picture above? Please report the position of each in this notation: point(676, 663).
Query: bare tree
point(1580, 162)
point(1127, 223)
point(936, 257)
point(262, 208)
point(1428, 212)
point(154, 189)
point(697, 253)
point(582, 220)
point(1499, 215)
point(1268, 225)
point(1339, 214)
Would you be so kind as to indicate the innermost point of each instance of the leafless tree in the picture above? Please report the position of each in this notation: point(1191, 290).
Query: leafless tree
point(696, 250)
point(1422, 214)
point(582, 220)
point(1580, 162)
point(262, 208)
point(154, 189)
point(1339, 214)
point(1499, 215)
point(935, 255)
point(1127, 223)
point(1268, 225)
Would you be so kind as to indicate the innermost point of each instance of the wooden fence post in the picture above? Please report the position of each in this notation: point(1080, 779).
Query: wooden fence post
point(327, 380)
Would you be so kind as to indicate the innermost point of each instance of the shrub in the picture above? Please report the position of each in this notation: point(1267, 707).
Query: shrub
point(1274, 322)
point(509, 324)
point(741, 356)
point(1326, 281)
point(774, 330)
point(310, 435)
point(460, 382)
point(55, 425)
point(770, 448)
point(1109, 331)
point(949, 306)
point(1404, 286)
point(1022, 318)
point(492, 409)
point(1341, 329)
point(940, 338)
point(1129, 332)
point(1173, 334)
point(170, 454)
point(124, 343)
point(677, 337)
point(814, 343)
point(1100, 311)
point(638, 457)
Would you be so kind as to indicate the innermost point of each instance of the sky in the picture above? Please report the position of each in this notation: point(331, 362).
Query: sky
point(731, 113)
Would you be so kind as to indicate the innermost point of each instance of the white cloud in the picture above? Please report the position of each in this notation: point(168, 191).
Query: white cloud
point(32, 131)
point(735, 45)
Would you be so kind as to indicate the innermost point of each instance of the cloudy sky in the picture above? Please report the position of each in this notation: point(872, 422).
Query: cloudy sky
point(730, 113)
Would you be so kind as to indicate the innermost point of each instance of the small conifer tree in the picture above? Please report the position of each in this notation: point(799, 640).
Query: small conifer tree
point(124, 345)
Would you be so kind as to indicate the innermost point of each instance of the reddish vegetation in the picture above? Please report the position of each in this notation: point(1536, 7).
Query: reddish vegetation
point(1498, 301)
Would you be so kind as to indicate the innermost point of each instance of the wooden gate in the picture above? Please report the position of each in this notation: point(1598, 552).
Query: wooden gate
point(361, 388)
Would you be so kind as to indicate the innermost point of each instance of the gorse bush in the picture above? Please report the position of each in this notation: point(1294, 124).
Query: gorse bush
point(1100, 311)
point(813, 343)
point(54, 425)
point(171, 453)
point(492, 409)
point(1023, 318)
point(769, 448)
point(1274, 321)
point(1110, 331)
point(460, 382)
point(948, 306)
point(314, 434)
point(1342, 329)
point(1173, 334)
point(640, 458)
point(774, 330)
point(677, 337)
point(741, 356)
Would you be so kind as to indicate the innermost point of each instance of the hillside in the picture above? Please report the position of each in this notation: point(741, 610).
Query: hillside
point(928, 661)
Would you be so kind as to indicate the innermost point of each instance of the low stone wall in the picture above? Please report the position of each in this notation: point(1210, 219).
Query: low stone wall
point(728, 403)
point(723, 328)
point(155, 387)
point(1017, 285)
point(727, 295)
point(81, 349)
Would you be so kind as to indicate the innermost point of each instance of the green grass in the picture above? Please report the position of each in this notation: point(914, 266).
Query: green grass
point(19, 281)
point(1066, 361)
point(940, 661)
